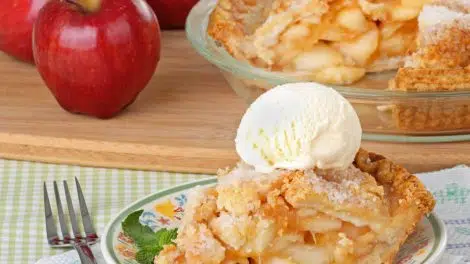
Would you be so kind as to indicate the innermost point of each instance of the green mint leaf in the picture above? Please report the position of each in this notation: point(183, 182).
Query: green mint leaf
point(147, 254)
point(167, 236)
point(149, 243)
point(141, 234)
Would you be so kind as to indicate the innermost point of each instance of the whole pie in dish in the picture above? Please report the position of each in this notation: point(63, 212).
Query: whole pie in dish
point(328, 41)
point(305, 193)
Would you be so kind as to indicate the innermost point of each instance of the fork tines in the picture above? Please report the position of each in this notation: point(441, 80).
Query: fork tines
point(51, 229)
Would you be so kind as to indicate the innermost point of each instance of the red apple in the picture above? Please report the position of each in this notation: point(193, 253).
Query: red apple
point(172, 14)
point(16, 27)
point(96, 55)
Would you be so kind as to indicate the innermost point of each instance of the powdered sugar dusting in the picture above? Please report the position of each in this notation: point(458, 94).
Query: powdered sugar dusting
point(434, 15)
point(201, 242)
point(456, 5)
point(247, 173)
point(435, 20)
point(350, 174)
point(206, 241)
point(228, 221)
point(339, 185)
point(196, 197)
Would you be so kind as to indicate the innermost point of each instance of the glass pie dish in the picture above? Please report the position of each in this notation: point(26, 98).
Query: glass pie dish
point(385, 115)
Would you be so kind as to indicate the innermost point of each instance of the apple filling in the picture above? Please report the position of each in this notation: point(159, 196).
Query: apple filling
point(290, 217)
point(272, 232)
point(321, 237)
point(330, 41)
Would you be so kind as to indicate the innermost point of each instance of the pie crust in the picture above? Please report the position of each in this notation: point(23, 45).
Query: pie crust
point(440, 64)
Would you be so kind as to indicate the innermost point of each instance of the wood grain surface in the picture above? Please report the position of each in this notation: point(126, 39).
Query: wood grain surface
point(185, 120)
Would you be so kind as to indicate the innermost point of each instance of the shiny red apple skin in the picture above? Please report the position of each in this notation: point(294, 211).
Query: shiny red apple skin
point(172, 14)
point(96, 63)
point(16, 27)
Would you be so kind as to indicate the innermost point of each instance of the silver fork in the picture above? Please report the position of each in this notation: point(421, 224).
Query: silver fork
point(78, 241)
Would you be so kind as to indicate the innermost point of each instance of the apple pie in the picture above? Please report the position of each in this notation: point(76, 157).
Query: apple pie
point(441, 63)
point(361, 214)
point(328, 41)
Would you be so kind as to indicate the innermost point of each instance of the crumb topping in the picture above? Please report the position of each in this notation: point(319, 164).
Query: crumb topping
point(246, 173)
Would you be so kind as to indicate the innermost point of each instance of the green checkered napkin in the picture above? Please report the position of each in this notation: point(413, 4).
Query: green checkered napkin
point(107, 191)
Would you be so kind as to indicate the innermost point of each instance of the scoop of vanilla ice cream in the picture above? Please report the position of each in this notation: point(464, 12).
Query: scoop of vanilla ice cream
point(299, 126)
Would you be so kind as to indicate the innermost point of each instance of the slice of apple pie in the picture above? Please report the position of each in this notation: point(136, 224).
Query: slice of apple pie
point(361, 214)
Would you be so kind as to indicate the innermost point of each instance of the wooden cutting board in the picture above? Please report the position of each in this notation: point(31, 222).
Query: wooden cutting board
point(185, 120)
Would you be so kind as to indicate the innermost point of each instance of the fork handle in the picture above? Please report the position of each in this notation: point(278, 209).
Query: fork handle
point(84, 252)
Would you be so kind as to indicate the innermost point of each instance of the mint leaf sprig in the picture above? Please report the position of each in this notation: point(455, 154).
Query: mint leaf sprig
point(148, 242)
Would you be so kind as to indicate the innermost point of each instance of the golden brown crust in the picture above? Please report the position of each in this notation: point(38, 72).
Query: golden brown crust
point(428, 79)
point(440, 115)
point(436, 115)
point(441, 63)
point(444, 46)
point(222, 26)
point(407, 189)
point(443, 51)
point(409, 196)
point(230, 21)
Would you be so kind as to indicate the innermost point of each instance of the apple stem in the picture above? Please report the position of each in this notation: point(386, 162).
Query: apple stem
point(88, 6)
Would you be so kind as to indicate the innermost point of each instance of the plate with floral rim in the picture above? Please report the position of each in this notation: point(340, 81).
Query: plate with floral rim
point(165, 209)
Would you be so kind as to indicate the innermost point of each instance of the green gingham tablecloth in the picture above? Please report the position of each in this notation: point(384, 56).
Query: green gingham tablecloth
point(107, 191)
